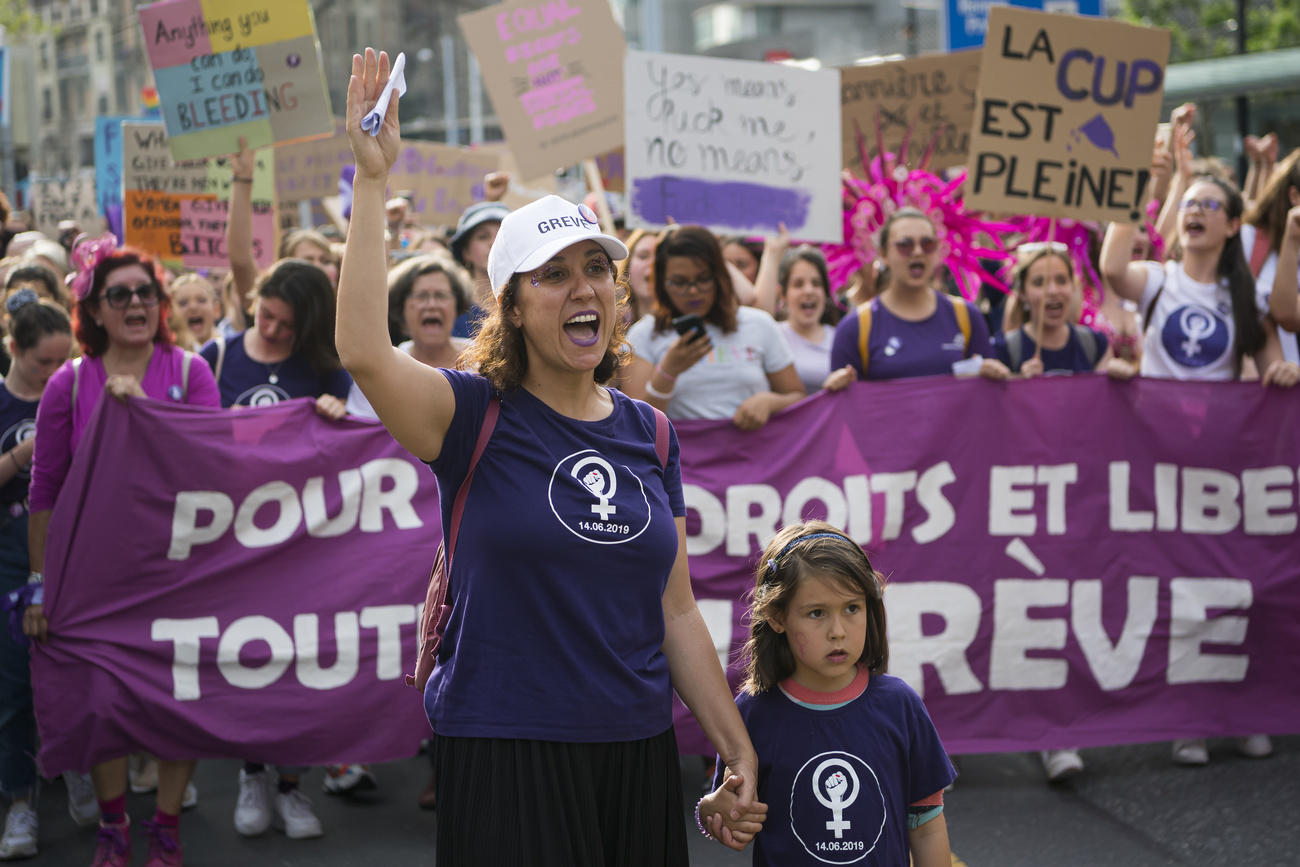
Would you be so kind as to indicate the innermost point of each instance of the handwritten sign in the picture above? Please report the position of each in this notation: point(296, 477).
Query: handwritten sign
point(553, 71)
point(179, 211)
point(1066, 115)
point(733, 145)
point(231, 68)
point(444, 180)
point(926, 100)
point(57, 199)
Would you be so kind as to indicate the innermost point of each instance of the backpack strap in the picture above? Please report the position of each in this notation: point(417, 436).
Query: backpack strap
point(76, 380)
point(1015, 349)
point(458, 506)
point(186, 360)
point(661, 436)
point(864, 334)
point(1088, 340)
point(962, 312)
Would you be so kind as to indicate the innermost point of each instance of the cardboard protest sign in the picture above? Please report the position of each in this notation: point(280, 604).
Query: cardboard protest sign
point(56, 199)
point(179, 211)
point(926, 100)
point(442, 179)
point(613, 170)
point(1066, 115)
point(555, 74)
point(734, 145)
point(231, 68)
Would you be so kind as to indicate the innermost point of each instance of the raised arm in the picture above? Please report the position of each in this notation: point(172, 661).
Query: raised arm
point(767, 282)
point(239, 233)
point(1167, 222)
point(1284, 303)
point(1121, 273)
point(414, 401)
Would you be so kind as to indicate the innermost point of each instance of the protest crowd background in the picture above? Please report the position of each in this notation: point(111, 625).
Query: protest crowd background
point(931, 228)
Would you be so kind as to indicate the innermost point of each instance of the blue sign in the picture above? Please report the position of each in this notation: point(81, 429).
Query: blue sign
point(966, 21)
point(108, 170)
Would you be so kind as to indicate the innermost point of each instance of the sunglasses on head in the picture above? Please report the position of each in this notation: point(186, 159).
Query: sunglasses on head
point(119, 297)
point(907, 245)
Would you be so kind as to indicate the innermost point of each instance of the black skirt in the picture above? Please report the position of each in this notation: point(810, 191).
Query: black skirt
point(550, 804)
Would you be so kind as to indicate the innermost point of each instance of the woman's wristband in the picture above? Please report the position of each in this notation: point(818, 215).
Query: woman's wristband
point(699, 823)
point(654, 392)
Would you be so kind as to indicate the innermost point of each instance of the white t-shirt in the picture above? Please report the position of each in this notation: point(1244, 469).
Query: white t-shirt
point(1191, 334)
point(812, 361)
point(1264, 286)
point(357, 403)
point(734, 371)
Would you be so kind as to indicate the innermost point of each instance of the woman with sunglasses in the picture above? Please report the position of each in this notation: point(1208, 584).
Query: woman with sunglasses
point(911, 329)
point(120, 320)
point(573, 619)
point(725, 361)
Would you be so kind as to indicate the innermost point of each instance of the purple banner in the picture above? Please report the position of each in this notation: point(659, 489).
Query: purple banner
point(234, 584)
point(1071, 561)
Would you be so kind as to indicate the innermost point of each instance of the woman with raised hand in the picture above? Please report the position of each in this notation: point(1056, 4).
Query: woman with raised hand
point(912, 329)
point(702, 354)
point(127, 351)
point(1270, 238)
point(551, 699)
point(40, 339)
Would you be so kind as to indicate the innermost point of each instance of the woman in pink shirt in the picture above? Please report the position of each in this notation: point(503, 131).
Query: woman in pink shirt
point(127, 351)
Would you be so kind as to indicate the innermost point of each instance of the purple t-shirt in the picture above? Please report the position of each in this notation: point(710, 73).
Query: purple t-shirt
point(17, 424)
point(1070, 358)
point(899, 348)
point(59, 424)
point(838, 781)
point(565, 547)
point(245, 382)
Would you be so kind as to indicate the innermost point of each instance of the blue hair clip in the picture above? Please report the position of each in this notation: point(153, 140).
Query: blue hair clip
point(21, 299)
point(771, 563)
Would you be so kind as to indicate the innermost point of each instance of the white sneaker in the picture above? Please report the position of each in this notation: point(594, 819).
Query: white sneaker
point(83, 806)
point(1061, 764)
point(19, 840)
point(294, 812)
point(1255, 746)
point(1191, 752)
point(143, 773)
point(253, 809)
point(190, 799)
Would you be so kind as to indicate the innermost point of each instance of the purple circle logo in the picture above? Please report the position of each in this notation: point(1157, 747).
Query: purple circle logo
point(587, 214)
point(293, 60)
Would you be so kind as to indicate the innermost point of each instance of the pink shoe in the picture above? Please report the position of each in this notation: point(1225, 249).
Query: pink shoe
point(164, 846)
point(114, 848)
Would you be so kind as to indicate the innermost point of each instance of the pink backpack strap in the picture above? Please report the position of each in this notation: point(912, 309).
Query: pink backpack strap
point(661, 437)
point(458, 507)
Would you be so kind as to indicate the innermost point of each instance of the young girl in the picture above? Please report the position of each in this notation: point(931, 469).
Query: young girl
point(848, 757)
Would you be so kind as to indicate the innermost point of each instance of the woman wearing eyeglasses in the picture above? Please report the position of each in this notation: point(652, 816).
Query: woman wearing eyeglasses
point(120, 320)
point(911, 329)
point(725, 361)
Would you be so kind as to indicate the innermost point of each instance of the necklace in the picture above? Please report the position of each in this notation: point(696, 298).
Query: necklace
point(273, 372)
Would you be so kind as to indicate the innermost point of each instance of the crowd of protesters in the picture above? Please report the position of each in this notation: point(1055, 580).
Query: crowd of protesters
point(716, 328)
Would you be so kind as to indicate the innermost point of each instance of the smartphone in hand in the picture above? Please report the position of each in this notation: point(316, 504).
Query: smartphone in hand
point(690, 322)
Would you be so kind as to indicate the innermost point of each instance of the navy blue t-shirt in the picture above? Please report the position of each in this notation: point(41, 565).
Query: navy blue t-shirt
point(18, 423)
point(1070, 358)
point(564, 552)
point(900, 348)
point(245, 382)
point(838, 781)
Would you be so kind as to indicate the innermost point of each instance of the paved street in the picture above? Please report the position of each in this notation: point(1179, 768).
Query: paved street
point(1132, 808)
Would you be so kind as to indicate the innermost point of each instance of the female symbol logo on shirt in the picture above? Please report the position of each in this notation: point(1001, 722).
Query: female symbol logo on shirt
point(1197, 324)
point(835, 786)
point(601, 481)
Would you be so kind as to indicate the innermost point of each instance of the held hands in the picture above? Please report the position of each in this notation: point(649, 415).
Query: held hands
point(34, 623)
point(840, 379)
point(1281, 373)
point(330, 407)
point(727, 824)
point(122, 386)
point(376, 154)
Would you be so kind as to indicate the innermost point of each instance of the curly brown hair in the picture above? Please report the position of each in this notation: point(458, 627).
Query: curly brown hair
point(789, 557)
point(499, 354)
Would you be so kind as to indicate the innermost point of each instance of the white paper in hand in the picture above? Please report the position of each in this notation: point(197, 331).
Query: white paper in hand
point(374, 119)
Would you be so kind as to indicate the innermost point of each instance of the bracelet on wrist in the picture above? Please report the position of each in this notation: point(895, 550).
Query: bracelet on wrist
point(665, 374)
point(654, 392)
point(699, 823)
point(238, 180)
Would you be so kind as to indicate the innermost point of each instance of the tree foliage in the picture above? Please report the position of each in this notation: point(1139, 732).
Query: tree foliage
point(18, 19)
point(1208, 28)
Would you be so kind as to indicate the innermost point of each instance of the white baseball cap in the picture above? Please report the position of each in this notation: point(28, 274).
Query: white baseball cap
point(530, 236)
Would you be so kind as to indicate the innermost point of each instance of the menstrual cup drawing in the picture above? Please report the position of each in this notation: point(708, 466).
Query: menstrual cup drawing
point(1100, 134)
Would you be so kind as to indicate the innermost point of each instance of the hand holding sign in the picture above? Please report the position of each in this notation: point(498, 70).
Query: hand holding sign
point(375, 152)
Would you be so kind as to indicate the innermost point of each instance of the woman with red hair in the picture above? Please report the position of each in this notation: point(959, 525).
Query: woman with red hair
point(120, 320)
